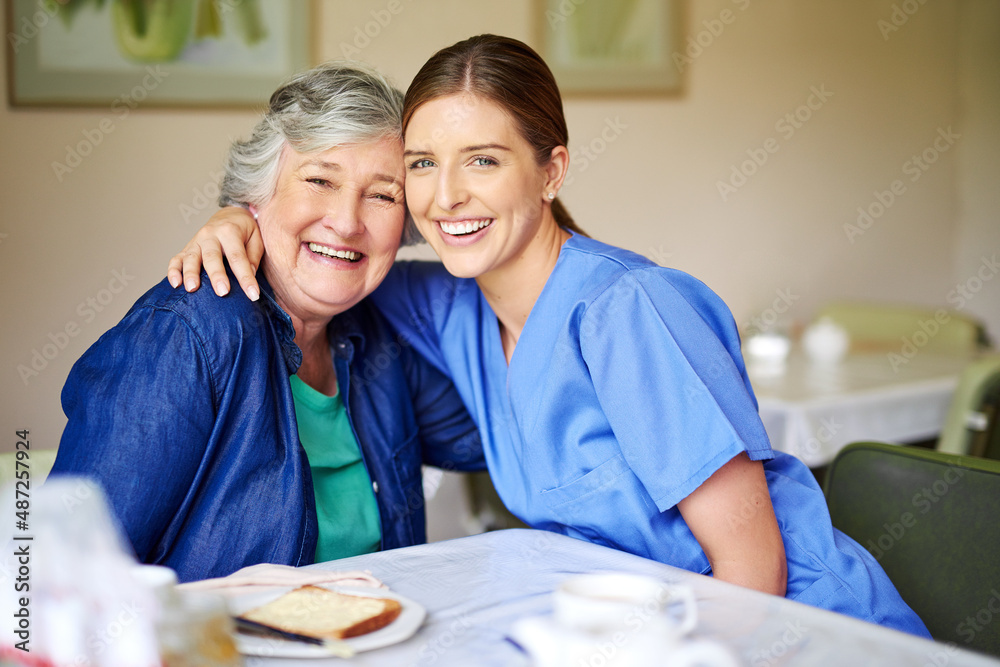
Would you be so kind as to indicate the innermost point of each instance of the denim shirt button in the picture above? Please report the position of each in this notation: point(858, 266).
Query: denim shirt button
point(375, 487)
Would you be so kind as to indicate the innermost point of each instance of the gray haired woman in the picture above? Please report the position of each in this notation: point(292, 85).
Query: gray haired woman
point(290, 429)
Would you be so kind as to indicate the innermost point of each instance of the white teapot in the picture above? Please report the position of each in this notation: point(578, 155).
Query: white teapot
point(825, 341)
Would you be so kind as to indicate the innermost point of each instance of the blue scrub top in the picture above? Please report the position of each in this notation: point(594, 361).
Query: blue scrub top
point(626, 391)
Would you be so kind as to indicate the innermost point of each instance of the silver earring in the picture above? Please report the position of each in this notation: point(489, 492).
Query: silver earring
point(552, 195)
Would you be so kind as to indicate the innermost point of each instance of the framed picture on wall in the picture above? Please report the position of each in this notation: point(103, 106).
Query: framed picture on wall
point(611, 47)
point(154, 53)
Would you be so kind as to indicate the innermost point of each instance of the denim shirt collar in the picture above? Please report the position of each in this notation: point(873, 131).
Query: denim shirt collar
point(344, 331)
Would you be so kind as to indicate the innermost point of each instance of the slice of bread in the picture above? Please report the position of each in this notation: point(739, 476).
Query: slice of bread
point(325, 614)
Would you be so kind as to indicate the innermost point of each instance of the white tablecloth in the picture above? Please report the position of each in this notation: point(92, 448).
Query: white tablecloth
point(813, 410)
point(474, 588)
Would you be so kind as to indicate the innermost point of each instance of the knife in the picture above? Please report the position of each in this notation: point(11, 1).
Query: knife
point(248, 627)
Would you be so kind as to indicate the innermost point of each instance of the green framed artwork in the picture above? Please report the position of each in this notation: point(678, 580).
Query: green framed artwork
point(611, 47)
point(154, 53)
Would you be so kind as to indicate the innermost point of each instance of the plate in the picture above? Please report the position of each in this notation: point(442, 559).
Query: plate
point(406, 624)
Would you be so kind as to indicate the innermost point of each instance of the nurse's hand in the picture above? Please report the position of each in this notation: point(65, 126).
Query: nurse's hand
point(231, 233)
point(733, 520)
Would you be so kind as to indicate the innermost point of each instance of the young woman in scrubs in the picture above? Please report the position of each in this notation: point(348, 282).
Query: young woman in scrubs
point(610, 393)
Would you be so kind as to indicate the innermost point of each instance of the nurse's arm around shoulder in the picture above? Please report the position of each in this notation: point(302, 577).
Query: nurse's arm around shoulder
point(231, 233)
point(733, 520)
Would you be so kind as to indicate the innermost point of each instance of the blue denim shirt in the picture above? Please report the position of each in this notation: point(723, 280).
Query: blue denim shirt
point(183, 413)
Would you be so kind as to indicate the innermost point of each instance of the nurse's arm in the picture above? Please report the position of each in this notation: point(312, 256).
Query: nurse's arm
point(231, 233)
point(733, 520)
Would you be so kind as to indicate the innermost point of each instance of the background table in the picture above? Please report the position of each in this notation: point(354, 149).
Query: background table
point(474, 588)
point(812, 410)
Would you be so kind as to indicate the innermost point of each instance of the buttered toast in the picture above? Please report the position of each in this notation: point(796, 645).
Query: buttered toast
point(317, 612)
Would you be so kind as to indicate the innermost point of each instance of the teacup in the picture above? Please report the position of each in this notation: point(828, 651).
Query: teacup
point(610, 601)
point(619, 620)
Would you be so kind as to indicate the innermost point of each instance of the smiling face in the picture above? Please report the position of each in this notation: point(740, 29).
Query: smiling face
point(473, 185)
point(333, 226)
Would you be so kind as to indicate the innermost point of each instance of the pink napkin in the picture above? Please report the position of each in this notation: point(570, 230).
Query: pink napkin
point(258, 577)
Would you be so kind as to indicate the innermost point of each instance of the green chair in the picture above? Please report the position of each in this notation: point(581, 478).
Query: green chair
point(39, 463)
point(972, 426)
point(882, 324)
point(930, 519)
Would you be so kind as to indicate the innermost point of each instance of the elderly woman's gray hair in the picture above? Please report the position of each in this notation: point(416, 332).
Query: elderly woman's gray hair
point(330, 105)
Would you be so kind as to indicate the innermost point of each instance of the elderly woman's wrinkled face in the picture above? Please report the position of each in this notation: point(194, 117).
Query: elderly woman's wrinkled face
point(333, 226)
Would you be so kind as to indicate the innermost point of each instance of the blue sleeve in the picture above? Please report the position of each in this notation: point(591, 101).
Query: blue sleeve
point(140, 409)
point(663, 353)
point(417, 299)
point(449, 438)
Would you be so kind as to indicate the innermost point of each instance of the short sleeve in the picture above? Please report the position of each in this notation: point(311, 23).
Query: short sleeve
point(663, 354)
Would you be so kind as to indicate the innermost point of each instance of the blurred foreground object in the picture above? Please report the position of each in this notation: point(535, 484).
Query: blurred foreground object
point(77, 596)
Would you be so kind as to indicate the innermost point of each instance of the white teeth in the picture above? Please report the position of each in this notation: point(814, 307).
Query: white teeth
point(462, 228)
point(339, 254)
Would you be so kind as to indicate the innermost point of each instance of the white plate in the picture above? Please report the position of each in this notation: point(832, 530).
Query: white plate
point(409, 620)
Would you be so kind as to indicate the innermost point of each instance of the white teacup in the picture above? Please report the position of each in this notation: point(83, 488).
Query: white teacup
point(606, 602)
point(617, 619)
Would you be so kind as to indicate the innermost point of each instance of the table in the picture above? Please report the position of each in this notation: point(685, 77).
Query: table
point(474, 588)
point(812, 410)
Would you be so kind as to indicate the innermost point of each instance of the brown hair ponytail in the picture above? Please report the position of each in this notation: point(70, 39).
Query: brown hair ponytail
point(510, 74)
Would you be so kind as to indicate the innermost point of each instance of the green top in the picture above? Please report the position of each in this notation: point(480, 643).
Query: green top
point(345, 503)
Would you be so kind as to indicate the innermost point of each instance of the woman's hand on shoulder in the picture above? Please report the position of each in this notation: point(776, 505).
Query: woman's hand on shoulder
point(232, 234)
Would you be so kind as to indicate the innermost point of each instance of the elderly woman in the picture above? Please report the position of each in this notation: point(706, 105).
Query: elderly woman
point(291, 429)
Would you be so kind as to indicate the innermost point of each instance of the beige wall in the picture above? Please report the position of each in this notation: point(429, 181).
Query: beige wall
point(978, 157)
point(652, 188)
